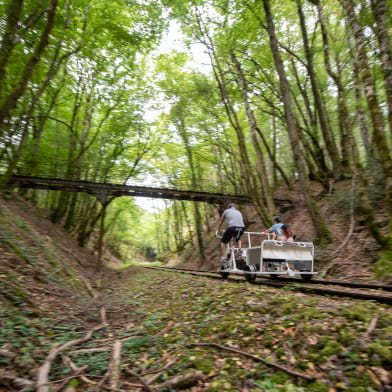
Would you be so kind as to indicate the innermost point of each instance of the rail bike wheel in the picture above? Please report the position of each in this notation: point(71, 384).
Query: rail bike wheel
point(250, 268)
point(306, 276)
point(223, 273)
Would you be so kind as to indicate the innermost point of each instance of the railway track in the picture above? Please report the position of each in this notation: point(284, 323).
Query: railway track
point(370, 292)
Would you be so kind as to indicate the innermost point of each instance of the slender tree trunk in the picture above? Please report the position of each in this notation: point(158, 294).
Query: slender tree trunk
point(265, 186)
point(101, 235)
point(9, 38)
point(348, 144)
point(364, 123)
point(11, 100)
point(178, 226)
point(247, 172)
point(324, 125)
point(29, 115)
point(321, 228)
point(274, 148)
point(187, 220)
point(318, 169)
point(198, 219)
point(379, 139)
point(381, 14)
point(271, 151)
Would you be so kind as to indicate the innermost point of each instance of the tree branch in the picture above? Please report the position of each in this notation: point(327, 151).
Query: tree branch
point(43, 371)
point(258, 359)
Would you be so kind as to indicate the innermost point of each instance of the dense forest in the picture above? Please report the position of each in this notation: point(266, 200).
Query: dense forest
point(294, 91)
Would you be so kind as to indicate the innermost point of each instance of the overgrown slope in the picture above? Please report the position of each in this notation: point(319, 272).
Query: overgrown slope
point(353, 254)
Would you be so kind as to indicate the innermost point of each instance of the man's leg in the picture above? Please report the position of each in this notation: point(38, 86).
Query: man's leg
point(223, 250)
point(238, 242)
point(227, 235)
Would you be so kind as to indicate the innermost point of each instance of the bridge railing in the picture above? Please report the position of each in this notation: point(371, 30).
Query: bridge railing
point(120, 175)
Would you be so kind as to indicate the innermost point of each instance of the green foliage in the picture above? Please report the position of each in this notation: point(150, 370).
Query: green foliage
point(97, 362)
point(269, 385)
point(383, 266)
point(26, 333)
point(361, 312)
point(331, 348)
point(384, 353)
point(317, 387)
point(99, 104)
point(220, 385)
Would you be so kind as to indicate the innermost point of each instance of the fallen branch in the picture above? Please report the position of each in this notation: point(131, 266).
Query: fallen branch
point(184, 381)
point(68, 361)
point(144, 383)
point(115, 365)
point(12, 380)
point(67, 379)
point(7, 354)
point(160, 371)
point(90, 350)
point(132, 385)
point(104, 320)
point(122, 340)
point(258, 359)
point(92, 292)
point(100, 384)
point(51, 292)
point(43, 371)
point(371, 328)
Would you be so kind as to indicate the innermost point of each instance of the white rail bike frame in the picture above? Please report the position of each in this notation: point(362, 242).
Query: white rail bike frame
point(271, 257)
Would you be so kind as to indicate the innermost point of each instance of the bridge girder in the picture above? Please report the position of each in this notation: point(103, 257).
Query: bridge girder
point(103, 191)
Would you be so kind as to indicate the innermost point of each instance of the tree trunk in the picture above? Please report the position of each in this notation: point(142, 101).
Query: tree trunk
point(197, 216)
point(265, 186)
point(381, 13)
point(361, 115)
point(379, 139)
point(316, 161)
point(324, 125)
point(35, 99)
point(9, 38)
point(347, 140)
point(11, 100)
point(322, 232)
point(251, 186)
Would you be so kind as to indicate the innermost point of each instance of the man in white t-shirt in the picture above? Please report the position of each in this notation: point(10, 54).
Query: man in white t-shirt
point(235, 229)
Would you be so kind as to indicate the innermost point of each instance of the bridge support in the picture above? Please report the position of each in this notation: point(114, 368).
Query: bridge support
point(102, 196)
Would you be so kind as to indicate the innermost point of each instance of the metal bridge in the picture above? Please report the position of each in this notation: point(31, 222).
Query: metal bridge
point(104, 190)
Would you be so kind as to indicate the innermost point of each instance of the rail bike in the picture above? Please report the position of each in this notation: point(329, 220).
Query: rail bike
point(262, 256)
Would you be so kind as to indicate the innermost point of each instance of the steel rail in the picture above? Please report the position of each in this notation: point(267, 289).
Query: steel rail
point(294, 284)
point(313, 281)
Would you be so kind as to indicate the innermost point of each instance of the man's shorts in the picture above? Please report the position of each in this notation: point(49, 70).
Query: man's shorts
point(232, 232)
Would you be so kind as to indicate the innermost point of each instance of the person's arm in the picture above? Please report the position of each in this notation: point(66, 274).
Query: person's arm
point(220, 225)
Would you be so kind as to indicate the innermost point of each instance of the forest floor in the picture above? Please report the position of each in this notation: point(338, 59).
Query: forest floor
point(66, 326)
